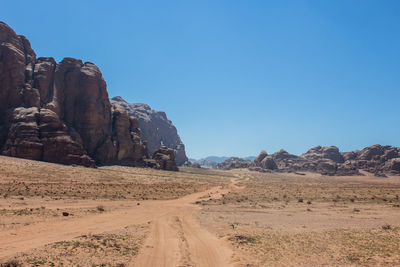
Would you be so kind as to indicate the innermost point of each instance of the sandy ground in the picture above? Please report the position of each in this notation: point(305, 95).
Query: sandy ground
point(309, 220)
point(175, 239)
point(121, 216)
point(159, 232)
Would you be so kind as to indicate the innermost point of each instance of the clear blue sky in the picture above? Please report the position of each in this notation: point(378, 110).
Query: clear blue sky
point(238, 76)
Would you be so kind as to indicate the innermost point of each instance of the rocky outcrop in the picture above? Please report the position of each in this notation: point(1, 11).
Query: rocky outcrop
point(327, 152)
point(234, 163)
point(260, 157)
point(192, 164)
point(163, 159)
point(60, 112)
point(376, 159)
point(156, 129)
point(40, 135)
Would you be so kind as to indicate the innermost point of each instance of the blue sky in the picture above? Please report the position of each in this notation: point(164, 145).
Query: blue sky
point(238, 76)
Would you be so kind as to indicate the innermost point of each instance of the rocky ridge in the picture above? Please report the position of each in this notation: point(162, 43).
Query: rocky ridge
point(155, 128)
point(60, 112)
point(234, 163)
point(376, 159)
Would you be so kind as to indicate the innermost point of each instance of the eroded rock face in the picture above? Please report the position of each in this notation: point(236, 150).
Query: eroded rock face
point(326, 152)
point(16, 60)
point(260, 157)
point(60, 112)
point(163, 159)
point(156, 129)
point(40, 135)
point(234, 163)
point(375, 159)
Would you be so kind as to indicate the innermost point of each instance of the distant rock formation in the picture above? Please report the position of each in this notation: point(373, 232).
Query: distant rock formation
point(376, 159)
point(326, 152)
point(156, 129)
point(60, 112)
point(234, 163)
point(212, 161)
point(163, 159)
point(207, 163)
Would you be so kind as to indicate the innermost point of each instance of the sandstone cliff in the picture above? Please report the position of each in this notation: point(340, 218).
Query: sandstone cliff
point(156, 129)
point(60, 112)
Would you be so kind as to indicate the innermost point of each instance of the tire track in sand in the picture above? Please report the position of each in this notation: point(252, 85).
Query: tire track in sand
point(176, 238)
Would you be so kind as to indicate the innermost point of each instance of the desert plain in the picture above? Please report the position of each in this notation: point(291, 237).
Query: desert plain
point(58, 215)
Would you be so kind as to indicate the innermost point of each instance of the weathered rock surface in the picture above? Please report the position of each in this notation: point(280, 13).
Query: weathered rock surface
point(260, 157)
point(233, 163)
point(163, 159)
point(376, 159)
point(327, 152)
point(192, 164)
point(60, 112)
point(156, 129)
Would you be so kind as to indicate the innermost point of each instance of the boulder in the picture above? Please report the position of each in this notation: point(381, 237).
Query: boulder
point(164, 159)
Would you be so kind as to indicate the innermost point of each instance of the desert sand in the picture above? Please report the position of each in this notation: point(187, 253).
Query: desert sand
point(57, 215)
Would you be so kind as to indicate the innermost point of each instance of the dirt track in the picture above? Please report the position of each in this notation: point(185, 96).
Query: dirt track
point(175, 239)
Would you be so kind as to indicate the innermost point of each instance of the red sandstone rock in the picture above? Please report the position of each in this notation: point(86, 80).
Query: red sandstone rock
point(155, 128)
point(60, 112)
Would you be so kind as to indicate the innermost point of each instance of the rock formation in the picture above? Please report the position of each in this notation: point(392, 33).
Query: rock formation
point(60, 112)
point(156, 129)
point(376, 159)
point(163, 159)
point(234, 163)
point(327, 152)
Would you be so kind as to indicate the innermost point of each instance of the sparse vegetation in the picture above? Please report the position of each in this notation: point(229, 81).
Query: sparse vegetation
point(108, 249)
point(27, 179)
point(334, 232)
point(274, 218)
point(242, 239)
point(100, 208)
point(11, 263)
point(387, 227)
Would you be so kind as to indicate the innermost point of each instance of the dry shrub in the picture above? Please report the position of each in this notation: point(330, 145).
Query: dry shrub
point(100, 208)
point(11, 263)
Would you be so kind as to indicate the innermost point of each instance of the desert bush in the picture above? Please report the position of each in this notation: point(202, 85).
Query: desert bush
point(100, 208)
point(242, 239)
point(11, 263)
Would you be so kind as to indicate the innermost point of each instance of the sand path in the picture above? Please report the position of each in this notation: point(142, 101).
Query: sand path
point(176, 238)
